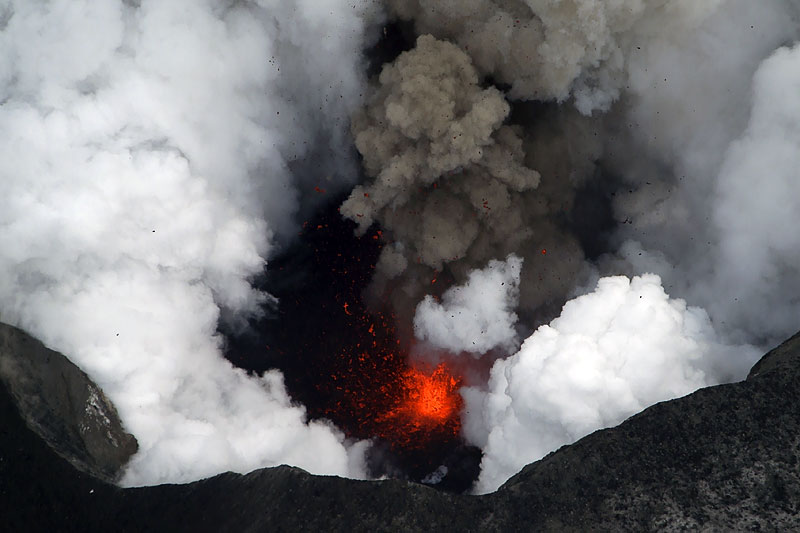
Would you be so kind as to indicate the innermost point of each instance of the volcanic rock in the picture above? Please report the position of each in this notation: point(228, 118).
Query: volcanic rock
point(63, 406)
point(722, 458)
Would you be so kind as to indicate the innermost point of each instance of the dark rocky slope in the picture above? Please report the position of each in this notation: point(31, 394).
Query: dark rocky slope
point(61, 403)
point(723, 458)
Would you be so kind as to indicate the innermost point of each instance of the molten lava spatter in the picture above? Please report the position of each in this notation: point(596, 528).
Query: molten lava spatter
point(349, 364)
point(429, 405)
point(372, 390)
point(377, 393)
point(432, 398)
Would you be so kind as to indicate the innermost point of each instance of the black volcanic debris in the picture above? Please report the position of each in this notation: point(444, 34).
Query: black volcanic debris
point(723, 458)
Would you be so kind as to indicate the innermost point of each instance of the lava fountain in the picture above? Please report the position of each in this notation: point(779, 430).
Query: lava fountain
point(349, 363)
point(429, 404)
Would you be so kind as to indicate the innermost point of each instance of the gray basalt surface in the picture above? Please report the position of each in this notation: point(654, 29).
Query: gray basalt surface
point(723, 458)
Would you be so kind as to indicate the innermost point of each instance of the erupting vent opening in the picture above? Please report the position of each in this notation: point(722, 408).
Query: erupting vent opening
point(349, 364)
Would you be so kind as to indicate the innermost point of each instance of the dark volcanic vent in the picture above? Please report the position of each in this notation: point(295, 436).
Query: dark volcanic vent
point(347, 362)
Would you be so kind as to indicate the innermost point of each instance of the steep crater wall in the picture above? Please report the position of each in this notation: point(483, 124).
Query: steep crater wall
point(724, 458)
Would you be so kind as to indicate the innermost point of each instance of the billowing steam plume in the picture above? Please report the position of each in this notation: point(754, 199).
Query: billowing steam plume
point(145, 151)
point(717, 227)
point(609, 355)
point(476, 317)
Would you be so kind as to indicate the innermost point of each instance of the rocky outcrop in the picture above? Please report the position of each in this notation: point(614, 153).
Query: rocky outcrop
point(784, 358)
point(723, 458)
point(60, 403)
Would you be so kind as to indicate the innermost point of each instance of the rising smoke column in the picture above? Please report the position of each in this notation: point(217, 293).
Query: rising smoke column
point(451, 185)
point(553, 49)
point(429, 118)
point(145, 148)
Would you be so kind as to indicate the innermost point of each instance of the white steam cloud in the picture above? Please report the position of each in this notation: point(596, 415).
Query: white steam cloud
point(710, 197)
point(759, 253)
point(145, 148)
point(610, 354)
point(476, 317)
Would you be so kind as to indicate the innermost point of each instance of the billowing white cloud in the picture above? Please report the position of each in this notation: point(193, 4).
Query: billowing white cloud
point(145, 148)
point(757, 208)
point(610, 354)
point(710, 170)
point(475, 317)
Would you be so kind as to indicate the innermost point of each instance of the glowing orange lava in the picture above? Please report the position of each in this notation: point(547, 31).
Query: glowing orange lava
point(362, 379)
point(348, 361)
point(431, 398)
point(428, 405)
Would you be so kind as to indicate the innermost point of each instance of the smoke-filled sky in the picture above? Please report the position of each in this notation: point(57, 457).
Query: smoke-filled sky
point(156, 154)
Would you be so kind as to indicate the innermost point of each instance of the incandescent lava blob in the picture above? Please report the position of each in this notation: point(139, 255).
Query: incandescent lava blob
point(429, 404)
